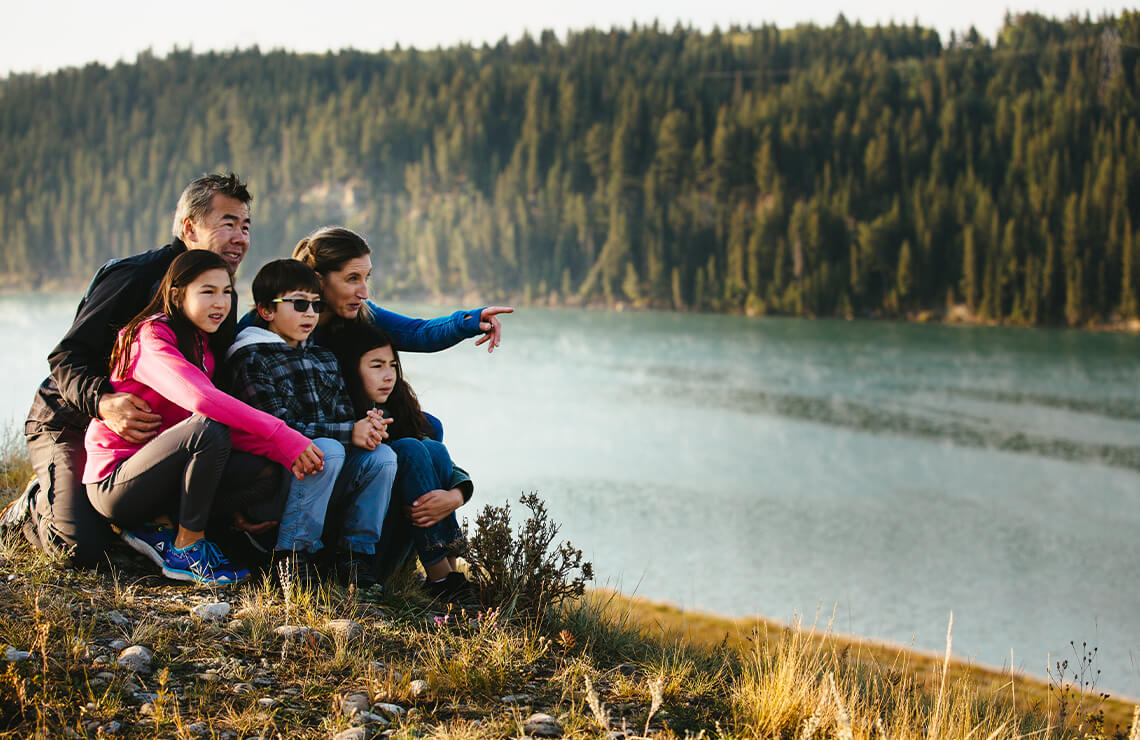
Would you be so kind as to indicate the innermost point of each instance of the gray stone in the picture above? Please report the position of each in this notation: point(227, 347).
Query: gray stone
point(214, 612)
point(118, 619)
point(236, 625)
point(368, 718)
point(516, 698)
point(266, 703)
point(393, 710)
point(242, 688)
point(119, 645)
point(147, 697)
point(353, 704)
point(136, 659)
point(199, 728)
point(103, 660)
point(12, 655)
point(345, 629)
point(105, 676)
point(418, 688)
point(298, 633)
point(111, 728)
point(542, 725)
point(352, 733)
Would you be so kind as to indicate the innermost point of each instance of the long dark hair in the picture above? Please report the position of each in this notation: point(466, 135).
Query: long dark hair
point(352, 341)
point(328, 249)
point(167, 301)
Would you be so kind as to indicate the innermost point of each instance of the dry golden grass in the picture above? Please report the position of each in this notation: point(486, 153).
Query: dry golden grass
point(605, 663)
point(912, 671)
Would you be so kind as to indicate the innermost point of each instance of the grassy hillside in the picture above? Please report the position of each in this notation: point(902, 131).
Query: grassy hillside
point(255, 661)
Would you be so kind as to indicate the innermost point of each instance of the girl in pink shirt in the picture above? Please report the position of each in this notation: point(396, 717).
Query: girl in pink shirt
point(166, 357)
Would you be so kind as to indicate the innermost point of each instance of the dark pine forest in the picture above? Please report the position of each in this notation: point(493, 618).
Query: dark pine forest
point(838, 171)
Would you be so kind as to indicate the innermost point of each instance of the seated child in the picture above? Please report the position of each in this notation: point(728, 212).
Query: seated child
point(429, 486)
point(276, 369)
point(166, 356)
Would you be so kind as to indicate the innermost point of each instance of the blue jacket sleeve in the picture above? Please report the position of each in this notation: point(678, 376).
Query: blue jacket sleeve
point(426, 335)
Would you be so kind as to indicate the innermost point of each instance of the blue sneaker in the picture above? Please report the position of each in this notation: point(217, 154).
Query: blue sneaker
point(201, 562)
point(151, 541)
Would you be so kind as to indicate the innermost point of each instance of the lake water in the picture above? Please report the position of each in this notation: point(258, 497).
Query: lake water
point(892, 472)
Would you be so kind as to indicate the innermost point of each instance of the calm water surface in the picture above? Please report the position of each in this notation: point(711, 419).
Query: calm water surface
point(892, 472)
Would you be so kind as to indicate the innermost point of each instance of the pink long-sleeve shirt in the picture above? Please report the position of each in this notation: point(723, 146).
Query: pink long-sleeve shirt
point(175, 388)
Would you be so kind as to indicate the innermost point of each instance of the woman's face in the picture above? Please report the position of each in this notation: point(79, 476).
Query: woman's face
point(345, 290)
point(205, 302)
point(378, 373)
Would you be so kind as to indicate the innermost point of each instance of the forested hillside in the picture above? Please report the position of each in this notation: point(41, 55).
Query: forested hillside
point(813, 171)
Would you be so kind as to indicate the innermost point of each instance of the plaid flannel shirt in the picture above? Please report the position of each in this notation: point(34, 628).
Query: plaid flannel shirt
point(300, 385)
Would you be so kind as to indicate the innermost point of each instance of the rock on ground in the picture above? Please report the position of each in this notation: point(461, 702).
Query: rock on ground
point(13, 655)
point(298, 633)
point(345, 629)
point(211, 612)
point(542, 725)
point(136, 659)
point(393, 710)
point(353, 733)
point(354, 704)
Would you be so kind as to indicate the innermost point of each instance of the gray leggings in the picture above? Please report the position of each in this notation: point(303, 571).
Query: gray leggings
point(177, 471)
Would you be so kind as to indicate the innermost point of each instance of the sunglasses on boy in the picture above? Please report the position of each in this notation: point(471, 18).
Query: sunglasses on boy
point(301, 305)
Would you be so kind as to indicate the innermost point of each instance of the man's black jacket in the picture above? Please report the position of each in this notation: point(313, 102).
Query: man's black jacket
point(69, 397)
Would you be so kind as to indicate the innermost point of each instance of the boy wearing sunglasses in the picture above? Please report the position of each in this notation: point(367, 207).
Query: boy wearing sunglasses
point(275, 368)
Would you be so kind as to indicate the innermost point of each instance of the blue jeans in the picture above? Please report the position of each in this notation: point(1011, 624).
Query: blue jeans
point(425, 465)
point(365, 485)
point(308, 501)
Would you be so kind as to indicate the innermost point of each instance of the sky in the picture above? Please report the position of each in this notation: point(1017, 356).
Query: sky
point(47, 35)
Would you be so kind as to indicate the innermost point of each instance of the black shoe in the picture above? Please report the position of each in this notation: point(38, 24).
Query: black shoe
point(355, 569)
point(295, 568)
point(455, 589)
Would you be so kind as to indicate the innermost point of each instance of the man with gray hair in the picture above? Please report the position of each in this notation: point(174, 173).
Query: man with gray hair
point(53, 512)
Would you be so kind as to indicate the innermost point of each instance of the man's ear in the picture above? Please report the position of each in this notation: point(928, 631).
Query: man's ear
point(188, 234)
point(266, 313)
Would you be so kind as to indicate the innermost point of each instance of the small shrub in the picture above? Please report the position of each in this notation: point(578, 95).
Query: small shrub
point(523, 572)
point(1080, 707)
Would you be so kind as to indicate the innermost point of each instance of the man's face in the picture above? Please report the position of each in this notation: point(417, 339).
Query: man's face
point(224, 230)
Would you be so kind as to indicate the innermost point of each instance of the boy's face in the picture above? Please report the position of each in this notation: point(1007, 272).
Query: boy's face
point(286, 321)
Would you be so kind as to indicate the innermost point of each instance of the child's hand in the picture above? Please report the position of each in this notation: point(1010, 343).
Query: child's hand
point(366, 434)
point(433, 506)
point(312, 460)
point(379, 422)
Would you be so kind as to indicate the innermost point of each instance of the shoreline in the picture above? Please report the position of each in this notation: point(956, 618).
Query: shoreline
point(712, 629)
point(957, 316)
